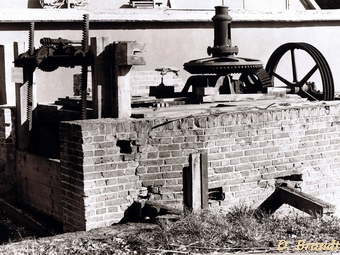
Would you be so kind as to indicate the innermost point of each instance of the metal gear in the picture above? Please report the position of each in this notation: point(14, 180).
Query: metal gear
point(255, 81)
point(43, 62)
point(222, 65)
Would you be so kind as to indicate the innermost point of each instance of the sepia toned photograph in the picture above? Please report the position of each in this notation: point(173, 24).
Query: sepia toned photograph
point(169, 127)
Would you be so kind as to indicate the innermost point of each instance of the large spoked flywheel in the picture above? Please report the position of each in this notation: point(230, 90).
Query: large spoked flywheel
point(301, 68)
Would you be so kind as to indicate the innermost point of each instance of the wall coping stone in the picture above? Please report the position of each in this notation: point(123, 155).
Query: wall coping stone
point(163, 15)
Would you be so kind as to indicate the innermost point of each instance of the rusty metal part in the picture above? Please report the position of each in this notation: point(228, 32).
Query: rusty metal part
point(305, 86)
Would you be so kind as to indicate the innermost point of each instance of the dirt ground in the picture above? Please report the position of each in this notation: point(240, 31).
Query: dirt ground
point(106, 240)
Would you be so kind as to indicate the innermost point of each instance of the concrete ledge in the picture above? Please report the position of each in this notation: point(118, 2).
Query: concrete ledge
point(164, 15)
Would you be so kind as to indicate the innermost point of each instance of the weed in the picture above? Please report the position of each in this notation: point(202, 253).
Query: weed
point(238, 230)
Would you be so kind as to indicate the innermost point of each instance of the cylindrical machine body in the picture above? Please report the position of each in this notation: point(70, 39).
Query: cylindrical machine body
point(222, 33)
point(222, 21)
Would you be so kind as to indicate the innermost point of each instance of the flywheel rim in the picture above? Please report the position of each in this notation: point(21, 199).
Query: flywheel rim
point(321, 66)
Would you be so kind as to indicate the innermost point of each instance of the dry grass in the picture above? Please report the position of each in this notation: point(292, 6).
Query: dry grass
point(195, 233)
point(237, 230)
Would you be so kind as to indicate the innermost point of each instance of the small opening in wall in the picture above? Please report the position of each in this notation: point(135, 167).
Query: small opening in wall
point(125, 146)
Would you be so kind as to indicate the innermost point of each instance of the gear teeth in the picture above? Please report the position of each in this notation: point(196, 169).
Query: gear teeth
point(85, 39)
point(31, 39)
point(84, 46)
point(46, 41)
point(30, 80)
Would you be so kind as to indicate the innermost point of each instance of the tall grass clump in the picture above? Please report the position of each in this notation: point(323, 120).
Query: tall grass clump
point(240, 229)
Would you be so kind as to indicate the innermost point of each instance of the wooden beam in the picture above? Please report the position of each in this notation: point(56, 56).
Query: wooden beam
point(3, 95)
point(98, 45)
point(195, 183)
point(300, 200)
point(304, 202)
point(22, 128)
point(270, 205)
point(204, 180)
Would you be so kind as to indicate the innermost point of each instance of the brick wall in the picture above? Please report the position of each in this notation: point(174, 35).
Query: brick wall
point(7, 153)
point(106, 161)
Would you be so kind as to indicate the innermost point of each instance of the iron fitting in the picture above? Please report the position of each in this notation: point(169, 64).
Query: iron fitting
point(222, 14)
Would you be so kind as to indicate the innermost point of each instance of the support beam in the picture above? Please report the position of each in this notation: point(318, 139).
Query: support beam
point(3, 95)
point(22, 127)
point(302, 201)
point(124, 54)
point(195, 183)
point(98, 45)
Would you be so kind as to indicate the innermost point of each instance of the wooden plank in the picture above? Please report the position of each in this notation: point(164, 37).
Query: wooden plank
point(299, 200)
point(97, 47)
point(237, 97)
point(101, 76)
point(270, 205)
point(122, 105)
point(22, 131)
point(304, 202)
point(195, 182)
point(204, 181)
point(3, 95)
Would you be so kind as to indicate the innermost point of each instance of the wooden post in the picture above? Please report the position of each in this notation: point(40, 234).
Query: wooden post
point(121, 93)
point(124, 55)
point(195, 181)
point(3, 96)
point(22, 128)
point(97, 71)
point(204, 180)
point(111, 69)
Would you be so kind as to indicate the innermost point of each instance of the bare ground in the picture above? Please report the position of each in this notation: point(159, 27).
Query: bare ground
point(106, 240)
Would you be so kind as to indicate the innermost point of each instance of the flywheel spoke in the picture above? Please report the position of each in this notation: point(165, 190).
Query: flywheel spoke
point(316, 84)
point(308, 75)
point(288, 83)
point(292, 53)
